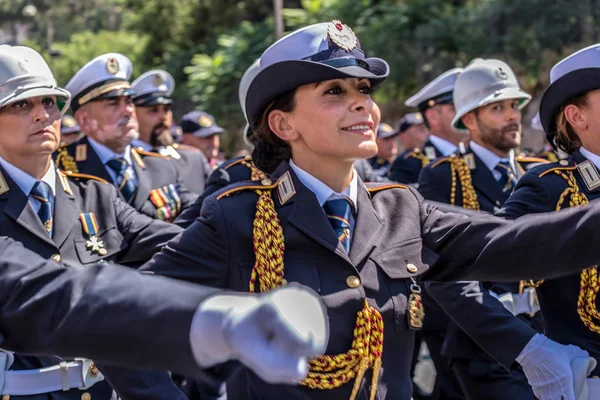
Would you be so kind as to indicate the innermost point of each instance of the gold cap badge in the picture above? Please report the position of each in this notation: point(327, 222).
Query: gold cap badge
point(205, 121)
point(68, 121)
point(341, 35)
point(157, 80)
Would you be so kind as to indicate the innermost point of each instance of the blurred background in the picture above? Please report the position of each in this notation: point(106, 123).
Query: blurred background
point(208, 44)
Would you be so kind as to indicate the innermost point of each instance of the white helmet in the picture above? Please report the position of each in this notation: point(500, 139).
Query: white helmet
point(484, 82)
point(25, 74)
point(245, 82)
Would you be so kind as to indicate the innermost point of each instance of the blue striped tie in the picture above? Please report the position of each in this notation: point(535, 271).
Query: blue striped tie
point(41, 192)
point(508, 180)
point(126, 185)
point(338, 213)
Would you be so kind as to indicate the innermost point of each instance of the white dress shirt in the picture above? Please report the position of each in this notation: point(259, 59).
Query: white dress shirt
point(444, 146)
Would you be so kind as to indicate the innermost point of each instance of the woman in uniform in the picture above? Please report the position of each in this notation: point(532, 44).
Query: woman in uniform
point(360, 247)
point(569, 114)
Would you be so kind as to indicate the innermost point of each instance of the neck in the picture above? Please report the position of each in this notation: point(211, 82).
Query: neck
point(500, 153)
point(593, 146)
point(34, 165)
point(335, 174)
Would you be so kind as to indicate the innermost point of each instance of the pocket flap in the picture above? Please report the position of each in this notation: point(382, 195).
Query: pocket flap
point(402, 261)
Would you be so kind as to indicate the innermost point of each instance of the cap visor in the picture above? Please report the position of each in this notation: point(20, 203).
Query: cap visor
point(63, 98)
point(210, 131)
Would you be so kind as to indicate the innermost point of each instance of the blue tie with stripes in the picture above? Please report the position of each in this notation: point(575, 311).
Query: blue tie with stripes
point(126, 185)
point(41, 192)
point(508, 180)
point(338, 213)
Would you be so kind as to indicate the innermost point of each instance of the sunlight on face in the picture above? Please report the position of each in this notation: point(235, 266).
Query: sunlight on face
point(335, 119)
point(30, 126)
point(499, 125)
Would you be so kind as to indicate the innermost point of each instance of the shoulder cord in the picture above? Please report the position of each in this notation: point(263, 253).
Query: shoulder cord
point(67, 161)
point(459, 167)
point(327, 371)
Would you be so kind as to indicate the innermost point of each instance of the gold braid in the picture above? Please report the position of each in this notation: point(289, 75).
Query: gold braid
point(417, 154)
point(255, 173)
point(458, 166)
point(65, 161)
point(327, 371)
point(586, 303)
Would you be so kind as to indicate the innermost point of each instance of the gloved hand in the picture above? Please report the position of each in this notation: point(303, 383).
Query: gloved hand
point(585, 388)
point(273, 334)
point(547, 366)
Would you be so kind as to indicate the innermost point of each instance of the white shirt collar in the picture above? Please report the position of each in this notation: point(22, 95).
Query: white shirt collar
point(107, 154)
point(321, 190)
point(26, 181)
point(595, 159)
point(489, 158)
point(444, 146)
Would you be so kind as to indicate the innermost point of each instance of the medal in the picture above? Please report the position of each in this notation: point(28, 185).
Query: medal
point(415, 312)
point(90, 227)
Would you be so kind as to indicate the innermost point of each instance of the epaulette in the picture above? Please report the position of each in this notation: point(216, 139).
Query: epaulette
point(441, 160)
point(238, 161)
point(563, 165)
point(143, 152)
point(378, 187)
point(77, 175)
point(181, 146)
point(265, 184)
point(528, 159)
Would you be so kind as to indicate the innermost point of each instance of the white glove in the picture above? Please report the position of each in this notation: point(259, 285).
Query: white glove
point(547, 366)
point(273, 334)
point(585, 388)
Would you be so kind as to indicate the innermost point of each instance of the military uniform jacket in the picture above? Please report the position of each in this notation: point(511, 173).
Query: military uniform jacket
point(540, 191)
point(127, 236)
point(367, 173)
point(152, 171)
point(408, 165)
point(487, 319)
point(193, 168)
point(234, 170)
point(315, 258)
point(380, 165)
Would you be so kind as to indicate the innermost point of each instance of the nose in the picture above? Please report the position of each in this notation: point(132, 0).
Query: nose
point(513, 114)
point(40, 114)
point(360, 101)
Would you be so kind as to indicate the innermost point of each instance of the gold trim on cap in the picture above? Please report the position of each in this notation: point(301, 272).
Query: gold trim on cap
point(109, 87)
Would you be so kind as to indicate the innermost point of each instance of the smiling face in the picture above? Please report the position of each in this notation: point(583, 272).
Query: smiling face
point(29, 127)
point(332, 121)
point(496, 126)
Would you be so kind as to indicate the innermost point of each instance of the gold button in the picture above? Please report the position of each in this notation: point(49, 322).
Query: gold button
point(284, 282)
point(102, 252)
point(93, 370)
point(266, 182)
point(412, 268)
point(56, 257)
point(86, 396)
point(6, 397)
point(353, 282)
point(564, 162)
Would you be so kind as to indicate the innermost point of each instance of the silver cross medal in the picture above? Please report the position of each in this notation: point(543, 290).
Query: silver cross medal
point(95, 245)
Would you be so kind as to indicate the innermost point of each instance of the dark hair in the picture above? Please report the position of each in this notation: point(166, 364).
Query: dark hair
point(566, 138)
point(269, 150)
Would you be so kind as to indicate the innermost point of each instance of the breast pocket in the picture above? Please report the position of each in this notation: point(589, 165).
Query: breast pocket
point(400, 265)
point(108, 244)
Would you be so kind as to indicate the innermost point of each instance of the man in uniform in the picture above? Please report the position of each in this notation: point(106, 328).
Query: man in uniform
point(69, 130)
point(434, 102)
point(104, 110)
point(387, 149)
point(152, 99)
point(412, 131)
point(201, 131)
point(489, 102)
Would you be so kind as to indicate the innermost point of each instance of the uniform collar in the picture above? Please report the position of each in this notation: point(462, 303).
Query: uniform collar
point(26, 181)
point(321, 190)
point(444, 146)
point(144, 145)
point(105, 154)
point(489, 158)
point(594, 158)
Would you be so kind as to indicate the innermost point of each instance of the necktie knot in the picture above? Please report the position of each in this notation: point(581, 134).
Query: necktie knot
point(508, 179)
point(124, 181)
point(339, 212)
point(41, 192)
point(119, 165)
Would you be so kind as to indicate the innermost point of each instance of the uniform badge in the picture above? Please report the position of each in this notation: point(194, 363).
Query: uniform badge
point(112, 65)
point(419, 116)
point(431, 103)
point(469, 160)
point(386, 128)
point(205, 121)
point(416, 310)
point(285, 188)
point(64, 182)
point(138, 159)
point(68, 121)
point(341, 35)
point(3, 184)
point(90, 227)
point(169, 151)
point(501, 73)
point(430, 152)
point(157, 80)
point(590, 175)
point(81, 152)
